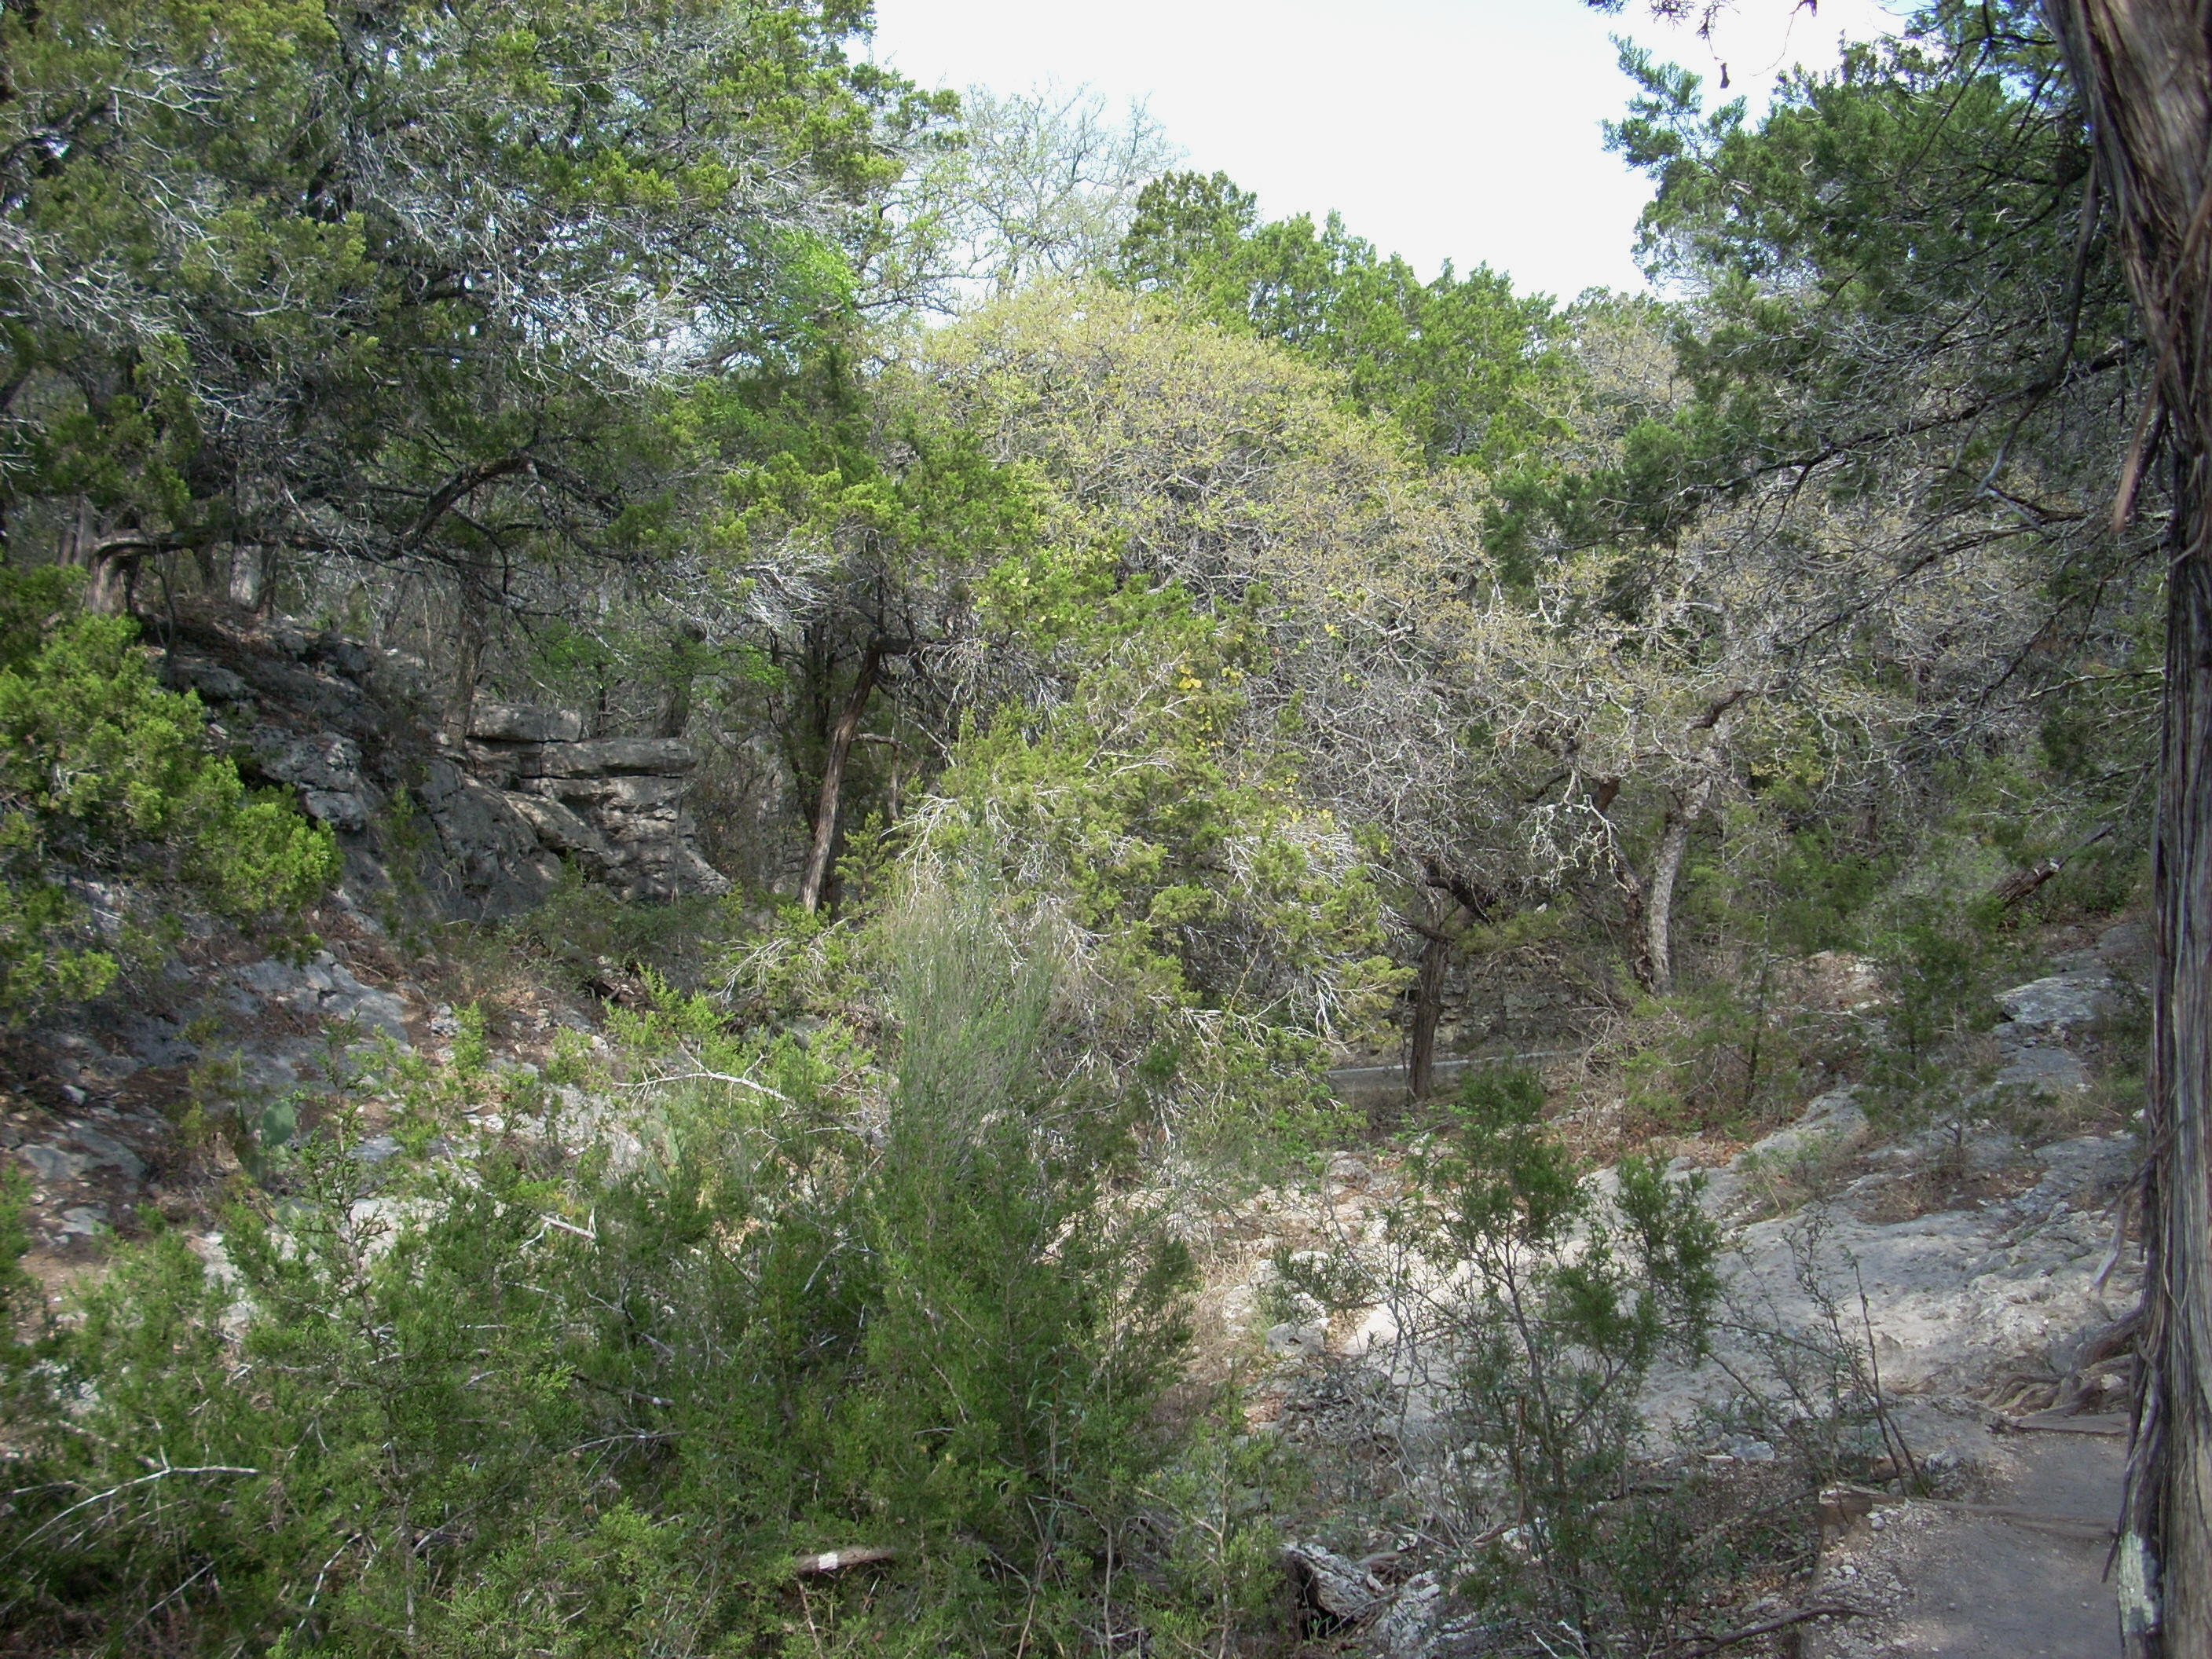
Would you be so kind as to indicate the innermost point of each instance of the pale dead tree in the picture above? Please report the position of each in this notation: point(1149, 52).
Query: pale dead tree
point(1626, 697)
point(1186, 456)
point(1041, 183)
point(1056, 179)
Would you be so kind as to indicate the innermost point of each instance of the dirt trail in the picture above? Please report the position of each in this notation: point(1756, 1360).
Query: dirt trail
point(1960, 1585)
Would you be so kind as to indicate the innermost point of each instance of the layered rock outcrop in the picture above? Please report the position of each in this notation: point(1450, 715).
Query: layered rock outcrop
point(615, 805)
point(350, 729)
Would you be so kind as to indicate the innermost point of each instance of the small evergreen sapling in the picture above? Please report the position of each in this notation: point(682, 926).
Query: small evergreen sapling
point(105, 775)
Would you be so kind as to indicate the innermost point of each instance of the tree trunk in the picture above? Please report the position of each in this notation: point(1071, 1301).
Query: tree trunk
point(2143, 68)
point(1428, 1008)
point(107, 591)
point(841, 734)
point(1659, 895)
point(247, 566)
point(2169, 1514)
point(1636, 915)
point(112, 565)
point(1648, 908)
point(468, 661)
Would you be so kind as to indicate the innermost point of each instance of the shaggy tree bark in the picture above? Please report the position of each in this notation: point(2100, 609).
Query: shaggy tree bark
point(815, 881)
point(1428, 1003)
point(1658, 908)
point(2143, 68)
point(114, 564)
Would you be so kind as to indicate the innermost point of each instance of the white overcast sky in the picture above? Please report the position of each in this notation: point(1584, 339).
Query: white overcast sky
point(1465, 129)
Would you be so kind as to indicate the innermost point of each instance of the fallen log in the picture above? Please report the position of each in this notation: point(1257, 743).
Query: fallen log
point(2112, 1424)
point(1768, 1626)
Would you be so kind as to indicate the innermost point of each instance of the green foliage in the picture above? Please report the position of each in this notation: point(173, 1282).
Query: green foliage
point(1938, 968)
point(1206, 886)
point(20, 1297)
point(1572, 1296)
point(1461, 361)
point(594, 1410)
point(1917, 204)
point(582, 930)
point(1721, 1055)
point(274, 271)
point(1732, 1046)
point(101, 757)
point(1819, 889)
point(45, 953)
point(104, 773)
point(34, 603)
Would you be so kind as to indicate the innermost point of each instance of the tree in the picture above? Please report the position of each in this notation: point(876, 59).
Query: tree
point(401, 284)
point(2137, 75)
point(1198, 685)
point(2143, 72)
point(1020, 185)
point(1462, 361)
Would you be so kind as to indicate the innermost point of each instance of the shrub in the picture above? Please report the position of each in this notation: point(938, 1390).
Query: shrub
point(596, 1411)
point(104, 773)
point(1563, 1297)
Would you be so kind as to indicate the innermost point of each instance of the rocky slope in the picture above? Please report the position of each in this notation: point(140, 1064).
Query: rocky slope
point(122, 1104)
point(1991, 1248)
point(1993, 1252)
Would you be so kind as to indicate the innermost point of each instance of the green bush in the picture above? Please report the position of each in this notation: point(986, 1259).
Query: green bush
point(104, 774)
point(582, 931)
point(1716, 1055)
point(1568, 1296)
point(601, 1412)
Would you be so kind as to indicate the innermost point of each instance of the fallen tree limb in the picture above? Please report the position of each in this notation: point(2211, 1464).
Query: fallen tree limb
point(1768, 1626)
point(2111, 1424)
point(2021, 884)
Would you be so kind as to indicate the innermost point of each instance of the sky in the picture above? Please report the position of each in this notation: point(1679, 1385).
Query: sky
point(1465, 129)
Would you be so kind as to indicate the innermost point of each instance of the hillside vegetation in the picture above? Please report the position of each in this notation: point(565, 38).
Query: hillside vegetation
point(721, 782)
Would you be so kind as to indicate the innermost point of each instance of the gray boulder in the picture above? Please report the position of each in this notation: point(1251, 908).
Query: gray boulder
point(558, 827)
point(490, 848)
point(2083, 1001)
point(2126, 945)
point(2046, 1072)
point(519, 722)
point(1328, 1584)
point(107, 1151)
point(341, 809)
point(324, 762)
point(52, 1164)
point(210, 679)
point(1831, 1124)
point(660, 756)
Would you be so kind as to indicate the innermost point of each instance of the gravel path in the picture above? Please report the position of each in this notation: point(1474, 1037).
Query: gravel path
point(1961, 1585)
